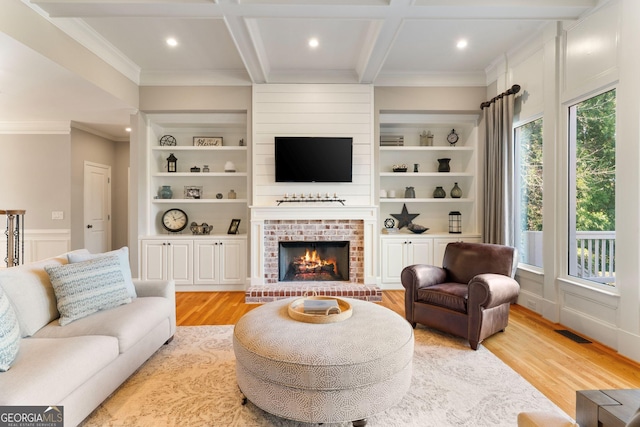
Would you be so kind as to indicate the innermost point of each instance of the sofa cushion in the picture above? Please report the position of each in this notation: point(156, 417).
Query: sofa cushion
point(9, 333)
point(123, 258)
point(47, 370)
point(86, 287)
point(29, 290)
point(128, 323)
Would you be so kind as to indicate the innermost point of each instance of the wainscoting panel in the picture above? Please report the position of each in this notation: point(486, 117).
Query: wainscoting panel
point(590, 312)
point(39, 244)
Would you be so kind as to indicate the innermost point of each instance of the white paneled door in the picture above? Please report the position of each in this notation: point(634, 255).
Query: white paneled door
point(97, 207)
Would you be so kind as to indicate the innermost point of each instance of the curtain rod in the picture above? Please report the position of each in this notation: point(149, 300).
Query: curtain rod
point(514, 89)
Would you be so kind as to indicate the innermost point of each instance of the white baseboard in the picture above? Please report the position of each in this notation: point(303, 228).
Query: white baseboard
point(629, 345)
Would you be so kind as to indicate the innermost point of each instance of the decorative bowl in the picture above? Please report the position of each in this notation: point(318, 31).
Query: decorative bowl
point(416, 228)
point(399, 169)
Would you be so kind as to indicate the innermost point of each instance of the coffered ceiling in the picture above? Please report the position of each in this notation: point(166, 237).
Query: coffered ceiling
point(243, 42)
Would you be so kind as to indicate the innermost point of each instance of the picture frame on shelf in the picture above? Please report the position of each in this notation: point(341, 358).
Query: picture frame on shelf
point(234, 226)
point(207, 141)
point(192, 191)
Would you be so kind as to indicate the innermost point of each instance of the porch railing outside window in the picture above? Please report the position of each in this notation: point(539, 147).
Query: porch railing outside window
point(593, 257)
point(592, 187)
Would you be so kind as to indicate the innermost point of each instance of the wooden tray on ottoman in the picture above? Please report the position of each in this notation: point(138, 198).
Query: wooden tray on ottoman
point(296, 311)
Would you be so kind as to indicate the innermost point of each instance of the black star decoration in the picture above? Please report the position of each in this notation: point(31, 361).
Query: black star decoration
point(405, 217)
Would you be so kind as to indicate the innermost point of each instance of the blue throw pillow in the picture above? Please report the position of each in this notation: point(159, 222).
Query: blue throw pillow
point(9, 333)
point(123, 256)
point(84, 288)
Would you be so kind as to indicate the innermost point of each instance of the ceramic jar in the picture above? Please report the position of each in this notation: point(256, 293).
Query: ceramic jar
point(232, 194)
point(443, 165)
point(439, 193)
point(165, 192)
point(409, 193)
point(456, 192)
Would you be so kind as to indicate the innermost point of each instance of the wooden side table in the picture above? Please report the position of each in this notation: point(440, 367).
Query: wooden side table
point(606, 408)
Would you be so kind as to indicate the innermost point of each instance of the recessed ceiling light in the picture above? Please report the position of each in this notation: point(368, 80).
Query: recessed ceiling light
point(462, 43)
point(313, 42)
point(127, 129)
point(172, 42)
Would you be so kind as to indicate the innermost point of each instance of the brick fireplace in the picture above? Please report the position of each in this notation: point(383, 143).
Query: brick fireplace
point(272, 225)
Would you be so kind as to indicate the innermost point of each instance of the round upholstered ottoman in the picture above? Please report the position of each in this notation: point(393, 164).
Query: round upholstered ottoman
point(320, 373)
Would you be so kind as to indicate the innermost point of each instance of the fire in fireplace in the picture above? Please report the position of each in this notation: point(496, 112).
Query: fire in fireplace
point(313, 261)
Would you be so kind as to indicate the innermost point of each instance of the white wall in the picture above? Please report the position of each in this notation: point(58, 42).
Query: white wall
point(35, 177)
point(313, 110)
point(566, 63)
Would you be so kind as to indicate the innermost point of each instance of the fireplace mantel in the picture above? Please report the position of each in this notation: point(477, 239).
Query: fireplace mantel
point(260, 214)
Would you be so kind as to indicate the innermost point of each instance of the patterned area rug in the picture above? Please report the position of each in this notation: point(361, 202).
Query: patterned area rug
point(191, 382)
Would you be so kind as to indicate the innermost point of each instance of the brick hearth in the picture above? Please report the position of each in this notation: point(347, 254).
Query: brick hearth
point(262, 294)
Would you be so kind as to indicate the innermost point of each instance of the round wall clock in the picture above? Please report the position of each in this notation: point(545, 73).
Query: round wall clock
point(167, 140)
point(452, 137)
point(174, 220)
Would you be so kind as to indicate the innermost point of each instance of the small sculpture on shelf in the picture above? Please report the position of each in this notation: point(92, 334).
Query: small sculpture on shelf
point(201, 229)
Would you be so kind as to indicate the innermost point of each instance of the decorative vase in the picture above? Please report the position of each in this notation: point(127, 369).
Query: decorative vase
point(443, 165)
point(232, 194)
point(409, 193)
point(456, 192)
point(165, 192)
point(439, 193)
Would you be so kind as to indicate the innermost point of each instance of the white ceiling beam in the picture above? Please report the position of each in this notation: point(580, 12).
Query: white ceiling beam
point(424, 9)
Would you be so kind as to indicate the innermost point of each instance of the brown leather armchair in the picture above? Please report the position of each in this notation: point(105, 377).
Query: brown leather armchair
point(469, 296)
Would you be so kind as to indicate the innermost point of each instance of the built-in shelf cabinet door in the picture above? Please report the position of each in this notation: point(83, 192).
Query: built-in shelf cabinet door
point(154, 260)
point(206, 266)
point(220, 261)
point(167, 259)
point(401, 251)
point(233, 261)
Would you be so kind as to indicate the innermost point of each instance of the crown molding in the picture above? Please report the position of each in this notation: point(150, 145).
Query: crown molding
point(88, 129)
point(36, 128)
point(462, 79)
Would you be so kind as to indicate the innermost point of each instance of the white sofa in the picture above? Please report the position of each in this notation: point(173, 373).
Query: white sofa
point(79, 365)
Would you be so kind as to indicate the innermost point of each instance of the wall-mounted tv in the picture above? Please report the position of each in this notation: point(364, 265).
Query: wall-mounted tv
point(313, 159)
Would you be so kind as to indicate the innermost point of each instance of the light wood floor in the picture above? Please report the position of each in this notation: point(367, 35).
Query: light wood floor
point(555, 365)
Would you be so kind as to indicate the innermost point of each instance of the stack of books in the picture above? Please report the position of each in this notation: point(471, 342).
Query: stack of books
point(391, 140)
point(321, 306)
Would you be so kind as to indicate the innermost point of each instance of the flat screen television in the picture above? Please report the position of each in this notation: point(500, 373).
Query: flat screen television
point(313, 159)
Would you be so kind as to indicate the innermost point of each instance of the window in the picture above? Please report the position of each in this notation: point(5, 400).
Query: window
point(528, 142)
point(592, 185)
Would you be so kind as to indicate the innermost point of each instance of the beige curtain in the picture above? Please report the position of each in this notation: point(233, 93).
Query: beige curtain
point(499, 221)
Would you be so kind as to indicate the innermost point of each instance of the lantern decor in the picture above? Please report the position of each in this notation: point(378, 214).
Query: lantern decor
point(455, 222)
point(172, 163)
